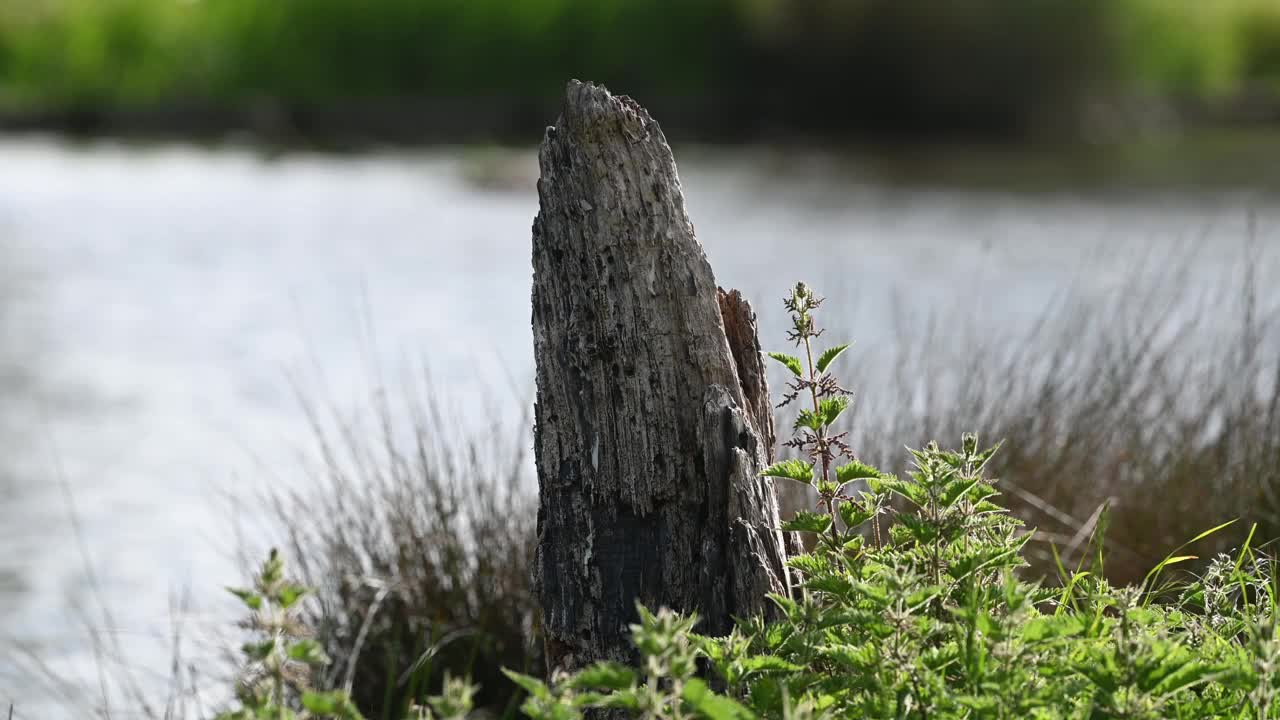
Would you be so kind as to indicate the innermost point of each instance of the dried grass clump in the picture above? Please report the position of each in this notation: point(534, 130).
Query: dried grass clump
point(418, 541)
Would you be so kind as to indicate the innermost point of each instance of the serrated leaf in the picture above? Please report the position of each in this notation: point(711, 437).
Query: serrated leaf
point(856, 657)
point(831, 354)
point(986, 507)
point(784, 603)
point(806, 564)
point(806, 521)
point(797, 470)
point(857, 471)
point(956, 489)
point(1051, 628)
point(290, 594)
point(321, 703)
point(259, 650)
point(792, 363)
point(830, 409)
point(808, 419)
point(983, 457)
point(832, 584)
point(1179, 673)
point(621, 700)
point(607, 675)
point(768, 663)
point(532, 685)
point(308, 651)
point(907, 490)
point(709, 705)
point(981, 704)
point(854, 544)
point(251, 599)
point(854, 515)
point(923, 531)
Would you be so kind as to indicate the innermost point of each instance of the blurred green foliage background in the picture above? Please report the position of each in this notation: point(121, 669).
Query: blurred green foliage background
point(722, 67)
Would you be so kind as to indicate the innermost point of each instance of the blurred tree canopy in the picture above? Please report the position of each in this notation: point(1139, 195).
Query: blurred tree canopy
point(727, 68)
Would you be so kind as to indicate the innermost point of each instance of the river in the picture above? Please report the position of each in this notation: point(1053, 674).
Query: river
point(159, 305)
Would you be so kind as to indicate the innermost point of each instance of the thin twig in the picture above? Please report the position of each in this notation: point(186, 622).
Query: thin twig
point(349, 681)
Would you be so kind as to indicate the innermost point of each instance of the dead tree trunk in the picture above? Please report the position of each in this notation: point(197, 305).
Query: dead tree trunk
point(653, 424)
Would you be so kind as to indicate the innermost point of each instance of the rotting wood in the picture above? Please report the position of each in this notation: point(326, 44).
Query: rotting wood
point(653, 418)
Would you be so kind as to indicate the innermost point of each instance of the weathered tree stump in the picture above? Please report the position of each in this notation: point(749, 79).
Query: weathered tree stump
point(653, 414)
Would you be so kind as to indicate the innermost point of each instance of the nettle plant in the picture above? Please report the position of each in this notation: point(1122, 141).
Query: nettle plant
point(280, 662)
point(910, 605)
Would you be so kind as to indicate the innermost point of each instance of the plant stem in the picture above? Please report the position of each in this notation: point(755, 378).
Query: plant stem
point(821, 433)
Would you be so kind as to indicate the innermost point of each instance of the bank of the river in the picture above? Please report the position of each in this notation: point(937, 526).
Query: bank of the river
point(175, 290)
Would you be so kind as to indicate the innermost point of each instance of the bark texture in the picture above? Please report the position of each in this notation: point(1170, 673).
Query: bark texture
point(653, 414)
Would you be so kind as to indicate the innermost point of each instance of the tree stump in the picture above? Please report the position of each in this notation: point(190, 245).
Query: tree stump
point(653, 419)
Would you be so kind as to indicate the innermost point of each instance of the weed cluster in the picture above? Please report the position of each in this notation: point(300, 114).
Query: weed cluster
point(418, 546)
point(1146, 409)
point(389, 536)
point(931, 619)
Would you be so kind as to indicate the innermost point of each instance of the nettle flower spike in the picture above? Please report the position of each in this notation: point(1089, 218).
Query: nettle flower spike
point(812, 434)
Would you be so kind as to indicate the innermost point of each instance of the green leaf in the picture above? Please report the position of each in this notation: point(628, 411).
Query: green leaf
point(827, 488)
point(784, 603)
point(1171, 560)
point(806, 521)
point(981, 459)
point(797, 470)
point(309, 652)
point(829, 355)
point(532, 685)
point(857, 471)
point(986, 507)
point(806, 563)
point(792, 363)
point(621, 700)
point(709, 705)
point(273, 568)
point(808, 419)
point(854, 515)
point(1042, 629)
point(1149, 580)
point(922, 530)
point(956, 489)
point(830, 408)
point(321, 703)
point(606, 675)
point(767, 663)
point(911, 491)
point(290, 594)
point(831, 584)
point(259, 650)
point(251, 599)
point(1179, 673)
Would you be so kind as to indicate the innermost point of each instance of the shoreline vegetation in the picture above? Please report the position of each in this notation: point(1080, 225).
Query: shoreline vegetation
point(417, 71)
point(924, 596)
point(1103, 442)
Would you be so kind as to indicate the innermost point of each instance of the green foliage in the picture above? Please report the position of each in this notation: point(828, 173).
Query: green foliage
point(932, 616)
point(276, 680)
point(1013, 58)
point(417, 537)
point(793, 469)
point(829, 356)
